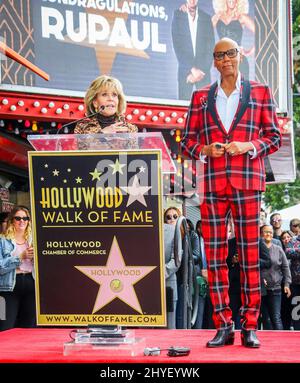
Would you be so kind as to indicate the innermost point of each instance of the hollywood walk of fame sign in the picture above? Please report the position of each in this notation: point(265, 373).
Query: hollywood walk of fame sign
point(97, 225)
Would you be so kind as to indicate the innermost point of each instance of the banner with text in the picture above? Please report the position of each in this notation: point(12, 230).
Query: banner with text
point(158, 49)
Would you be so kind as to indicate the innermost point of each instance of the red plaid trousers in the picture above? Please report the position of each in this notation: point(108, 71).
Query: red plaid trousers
point(245, 207)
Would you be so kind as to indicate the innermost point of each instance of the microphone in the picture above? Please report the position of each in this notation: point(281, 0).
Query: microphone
point(101, 108)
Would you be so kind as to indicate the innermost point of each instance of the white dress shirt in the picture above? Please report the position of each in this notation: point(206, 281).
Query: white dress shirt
point(193, 24)
point(227, 108)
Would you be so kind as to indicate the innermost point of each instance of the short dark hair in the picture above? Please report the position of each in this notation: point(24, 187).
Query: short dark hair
point(273, 215)
point(286, 232)
point(294, 222)
point(262, 228)
point(190, 223)
point(3, 216)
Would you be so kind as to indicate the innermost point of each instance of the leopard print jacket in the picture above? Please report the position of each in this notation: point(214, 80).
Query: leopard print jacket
point(92, 125)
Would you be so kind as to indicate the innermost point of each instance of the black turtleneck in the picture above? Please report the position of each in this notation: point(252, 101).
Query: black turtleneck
point(105, 121)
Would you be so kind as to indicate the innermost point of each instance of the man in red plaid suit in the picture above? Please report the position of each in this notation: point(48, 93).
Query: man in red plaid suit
point(232, 126)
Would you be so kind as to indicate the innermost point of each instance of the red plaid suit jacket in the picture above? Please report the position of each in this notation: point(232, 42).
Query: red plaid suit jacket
point(255, 121)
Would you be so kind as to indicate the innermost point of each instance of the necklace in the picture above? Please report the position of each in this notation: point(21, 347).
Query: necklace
point(21, 243)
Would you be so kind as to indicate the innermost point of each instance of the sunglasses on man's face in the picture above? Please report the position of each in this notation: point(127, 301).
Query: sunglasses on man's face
point(169, 217)
point(17, 218)
point(296, 225)
point(231, 53)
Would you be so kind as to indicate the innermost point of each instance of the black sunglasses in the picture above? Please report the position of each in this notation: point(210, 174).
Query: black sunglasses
point(231, 53)
point(296, 225)
point(172, 216)
point(17, 218)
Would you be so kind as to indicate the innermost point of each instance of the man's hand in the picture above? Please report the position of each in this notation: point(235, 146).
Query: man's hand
point(235, 259)
point(216, 149)
point(236, 148)
point(183, 8)
point(198, 74)
point(204, 274)
point(195, 75)
point(190, 79)
point(287, 291)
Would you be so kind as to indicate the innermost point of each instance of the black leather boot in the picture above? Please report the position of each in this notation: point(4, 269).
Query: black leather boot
point(223, 337)
point(249, 338)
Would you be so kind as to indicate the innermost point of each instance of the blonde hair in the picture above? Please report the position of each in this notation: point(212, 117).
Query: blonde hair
point(101, 83)
point(10, 230)
point(220, 6)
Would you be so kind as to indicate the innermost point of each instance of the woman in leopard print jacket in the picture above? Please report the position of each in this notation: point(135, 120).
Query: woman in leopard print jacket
point(105, 96)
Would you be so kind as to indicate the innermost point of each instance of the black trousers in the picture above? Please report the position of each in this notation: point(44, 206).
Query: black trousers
point(271, 304)
point(286, 311)
point(264, 317)
point(235, 303)
point(19, 304)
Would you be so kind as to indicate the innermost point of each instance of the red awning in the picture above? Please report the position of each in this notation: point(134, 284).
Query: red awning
point(13, 153)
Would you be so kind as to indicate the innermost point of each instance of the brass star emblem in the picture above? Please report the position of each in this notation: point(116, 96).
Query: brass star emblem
point(96, 175)
point(122, 287)
point(117, 167)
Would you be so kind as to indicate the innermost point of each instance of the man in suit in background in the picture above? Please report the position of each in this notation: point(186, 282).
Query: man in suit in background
point(193, 39)
point(231, 126)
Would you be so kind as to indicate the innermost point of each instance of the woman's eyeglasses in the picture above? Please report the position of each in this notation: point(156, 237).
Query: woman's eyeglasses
point(175, 216)
point(17, 218)
point(231, 53)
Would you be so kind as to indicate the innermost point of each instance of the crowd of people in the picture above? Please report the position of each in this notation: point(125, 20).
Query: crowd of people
point(279, 255)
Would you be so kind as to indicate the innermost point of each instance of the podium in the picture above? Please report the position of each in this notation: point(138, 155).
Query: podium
point(98, 229)
point(123, 141)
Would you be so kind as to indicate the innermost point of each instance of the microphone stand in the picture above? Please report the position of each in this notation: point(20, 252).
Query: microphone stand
point(81, 119)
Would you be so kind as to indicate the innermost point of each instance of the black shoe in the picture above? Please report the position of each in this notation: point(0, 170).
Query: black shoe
point(223, 337)
point(249, 338)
